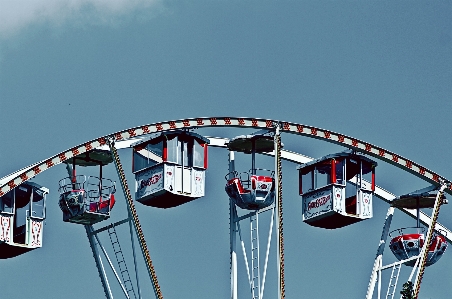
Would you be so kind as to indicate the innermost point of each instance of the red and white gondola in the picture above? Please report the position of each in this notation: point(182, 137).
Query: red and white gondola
point(408, 242)
point(87, 199)
point(254, 189)
point(330, 199)
point(22, 215)
point(170, 168)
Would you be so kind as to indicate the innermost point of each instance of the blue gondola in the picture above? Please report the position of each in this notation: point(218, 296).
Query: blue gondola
point(329, 200)
point(254, 189)
point(87, 199)
point(22, 215)
point(170, 168)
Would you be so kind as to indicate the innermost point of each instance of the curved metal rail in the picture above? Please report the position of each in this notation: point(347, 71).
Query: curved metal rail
point(130, 136)
point(13, 180)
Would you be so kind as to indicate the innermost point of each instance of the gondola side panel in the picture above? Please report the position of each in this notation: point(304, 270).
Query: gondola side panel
point(366, 204)
point(34, 232)
point(198, 179)
point(149, 182)
point(6, 222)
point(317, 204)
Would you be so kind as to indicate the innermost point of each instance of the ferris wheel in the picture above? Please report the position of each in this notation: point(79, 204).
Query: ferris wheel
point(169, 163)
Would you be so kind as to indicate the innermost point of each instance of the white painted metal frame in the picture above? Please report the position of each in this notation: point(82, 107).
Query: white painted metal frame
point(93, 239)
point(129, 136)
point(98, 260)
point(253, 272)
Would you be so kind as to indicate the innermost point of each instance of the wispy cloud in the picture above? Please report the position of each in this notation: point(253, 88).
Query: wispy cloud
point(16, 15)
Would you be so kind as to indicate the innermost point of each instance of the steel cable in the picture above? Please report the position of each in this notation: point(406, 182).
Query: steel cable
point(280, 212)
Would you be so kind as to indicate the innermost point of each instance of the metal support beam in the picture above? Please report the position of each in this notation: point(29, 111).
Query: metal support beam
point(132, 241)
point(232, 232)
point(100, 267)
point(381, 247)
point(111, 266)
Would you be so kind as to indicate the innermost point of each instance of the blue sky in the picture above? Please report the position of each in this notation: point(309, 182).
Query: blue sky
point(71, 71)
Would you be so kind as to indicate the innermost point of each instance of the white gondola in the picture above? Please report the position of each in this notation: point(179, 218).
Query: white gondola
point(329, 200)
point(22, 215)
point(87, 199)
point(170, 168)
point(408, 242)
point(254, 189)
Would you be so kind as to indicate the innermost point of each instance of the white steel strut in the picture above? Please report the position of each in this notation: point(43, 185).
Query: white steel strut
point(99, 264)
point(256, 277)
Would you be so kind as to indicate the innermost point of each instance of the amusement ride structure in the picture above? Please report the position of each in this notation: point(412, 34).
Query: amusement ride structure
point(169, 163)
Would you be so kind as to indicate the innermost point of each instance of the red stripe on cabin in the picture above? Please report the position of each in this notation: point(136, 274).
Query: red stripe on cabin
point(263, 178)
point(74, 180)
point(205, 155)
point(239, 185)
point(333, 171)
point(165, 151)
point(373, 179)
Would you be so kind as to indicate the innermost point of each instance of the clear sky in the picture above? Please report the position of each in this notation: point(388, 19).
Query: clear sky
point(71, 71)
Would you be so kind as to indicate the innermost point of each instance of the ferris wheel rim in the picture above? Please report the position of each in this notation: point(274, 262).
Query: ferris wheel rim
point(11, 181)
